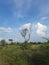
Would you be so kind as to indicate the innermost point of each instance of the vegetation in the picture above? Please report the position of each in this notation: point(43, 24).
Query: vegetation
point(3, 42)
point(11, 41)
point(24, 54)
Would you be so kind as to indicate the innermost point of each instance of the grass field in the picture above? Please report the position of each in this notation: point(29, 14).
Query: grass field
point(24, 54)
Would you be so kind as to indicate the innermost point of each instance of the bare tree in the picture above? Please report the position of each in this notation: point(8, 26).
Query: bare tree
point(26, 31)
point(23, 33)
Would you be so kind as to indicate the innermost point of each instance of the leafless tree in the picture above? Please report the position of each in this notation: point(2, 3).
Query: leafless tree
point(24, 32)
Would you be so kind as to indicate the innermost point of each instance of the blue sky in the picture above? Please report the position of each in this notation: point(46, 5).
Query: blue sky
point(15, 13)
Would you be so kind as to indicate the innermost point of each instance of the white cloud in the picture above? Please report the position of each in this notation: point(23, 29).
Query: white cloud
point(7, 30)
point(26, 26)
point(41, 29)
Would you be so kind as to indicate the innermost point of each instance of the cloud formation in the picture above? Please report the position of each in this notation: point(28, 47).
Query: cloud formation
point(41, 29)
point(26, 26)
point(7, 30)
point(37, 29)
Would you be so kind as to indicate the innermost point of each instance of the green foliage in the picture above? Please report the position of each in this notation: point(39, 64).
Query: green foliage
point(3, 42)
point(24, 54)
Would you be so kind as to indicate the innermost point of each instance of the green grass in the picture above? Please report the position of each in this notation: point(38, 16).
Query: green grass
point(24, 54)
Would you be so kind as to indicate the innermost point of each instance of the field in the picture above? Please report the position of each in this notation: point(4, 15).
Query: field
point(24, 54)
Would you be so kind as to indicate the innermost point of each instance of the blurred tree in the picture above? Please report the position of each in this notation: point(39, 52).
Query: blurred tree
point(26, 31)
point(3, 42)
point(11, 41)
point(46, 39)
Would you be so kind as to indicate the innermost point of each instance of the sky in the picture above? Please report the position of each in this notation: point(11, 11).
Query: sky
point(16, 13)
